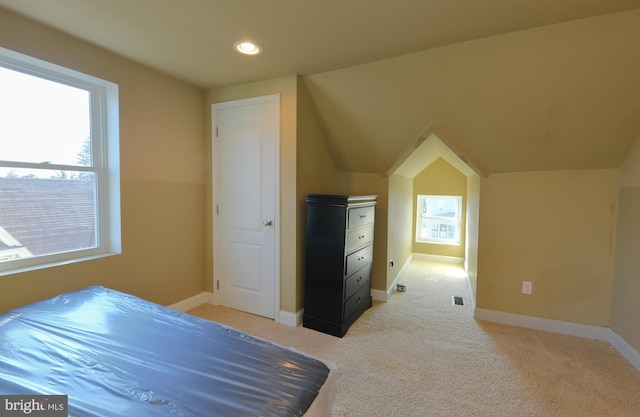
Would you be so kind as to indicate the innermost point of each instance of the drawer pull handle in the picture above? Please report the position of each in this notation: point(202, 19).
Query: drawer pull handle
point(360, 258)
point(359, 279)
point(358, 300)
point(361, 237)
point(362, 216)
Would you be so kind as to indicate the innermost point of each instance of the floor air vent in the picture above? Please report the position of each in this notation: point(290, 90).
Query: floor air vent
point(457, 300)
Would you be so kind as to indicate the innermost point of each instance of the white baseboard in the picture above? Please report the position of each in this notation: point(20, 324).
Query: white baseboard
point(291, 319)
point(563, 327)
point(380, 295)
point(539, 323)
point(625, 349)
point(192, 302)
point(285, 317)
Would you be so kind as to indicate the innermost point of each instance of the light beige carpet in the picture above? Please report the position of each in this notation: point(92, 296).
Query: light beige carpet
point(420, 355)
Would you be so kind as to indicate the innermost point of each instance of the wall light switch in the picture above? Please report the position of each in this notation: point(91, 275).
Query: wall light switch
point(527, 287)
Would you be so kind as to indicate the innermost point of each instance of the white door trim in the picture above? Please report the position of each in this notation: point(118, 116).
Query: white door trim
point(214, 192)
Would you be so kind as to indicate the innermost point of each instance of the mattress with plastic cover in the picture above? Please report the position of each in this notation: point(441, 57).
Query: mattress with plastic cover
point(114, 354)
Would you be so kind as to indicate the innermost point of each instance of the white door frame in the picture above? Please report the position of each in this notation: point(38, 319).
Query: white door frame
point(214, 192)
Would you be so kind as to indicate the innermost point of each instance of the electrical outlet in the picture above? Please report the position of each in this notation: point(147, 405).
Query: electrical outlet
point(527, 287)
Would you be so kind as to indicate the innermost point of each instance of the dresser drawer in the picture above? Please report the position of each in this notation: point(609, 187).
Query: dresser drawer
point(359, 237)
point(358, 260)
point(361, 216)
point(357, 280)
point(354, 303)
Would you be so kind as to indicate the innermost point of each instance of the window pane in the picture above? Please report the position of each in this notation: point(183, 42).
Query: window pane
point(43, 121)
point(48, 213)
point(438, 229)
point(441, 207)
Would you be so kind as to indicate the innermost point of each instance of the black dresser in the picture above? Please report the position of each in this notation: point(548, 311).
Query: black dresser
point(339, 251)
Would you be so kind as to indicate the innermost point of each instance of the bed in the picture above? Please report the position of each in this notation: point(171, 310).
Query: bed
point(114, 354)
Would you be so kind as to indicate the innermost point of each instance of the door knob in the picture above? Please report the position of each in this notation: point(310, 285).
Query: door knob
point(267, 222)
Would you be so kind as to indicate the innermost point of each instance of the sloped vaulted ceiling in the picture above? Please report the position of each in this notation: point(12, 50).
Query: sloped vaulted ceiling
point(564, 96)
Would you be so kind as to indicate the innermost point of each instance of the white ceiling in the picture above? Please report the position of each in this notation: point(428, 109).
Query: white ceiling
point(515, 85)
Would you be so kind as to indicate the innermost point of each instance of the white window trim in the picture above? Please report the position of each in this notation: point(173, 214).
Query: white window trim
point(436, 241)
point(106, 160)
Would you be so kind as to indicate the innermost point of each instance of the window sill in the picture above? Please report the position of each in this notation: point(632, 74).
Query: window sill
point(438, 242)
point(29, 268)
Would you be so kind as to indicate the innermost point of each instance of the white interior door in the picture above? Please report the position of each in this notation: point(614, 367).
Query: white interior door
point(245, 204)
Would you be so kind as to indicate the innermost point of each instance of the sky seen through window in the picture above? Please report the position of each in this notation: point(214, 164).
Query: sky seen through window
point(41, 121)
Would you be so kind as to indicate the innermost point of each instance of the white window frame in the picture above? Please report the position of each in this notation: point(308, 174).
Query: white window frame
point(105, 156)
point(455, 241)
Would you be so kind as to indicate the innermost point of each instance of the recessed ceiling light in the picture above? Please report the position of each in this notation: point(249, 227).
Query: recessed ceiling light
point(247, 48)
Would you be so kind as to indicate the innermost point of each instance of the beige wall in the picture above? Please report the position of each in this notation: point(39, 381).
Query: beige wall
point(626, 284)
point(316, 172)
point(400, 228)
point(441, 178)
point(555, 229)
point(289, 253)
point(162, 177)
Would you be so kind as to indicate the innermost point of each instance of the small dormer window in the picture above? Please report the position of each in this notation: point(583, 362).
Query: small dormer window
point(438, 219)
